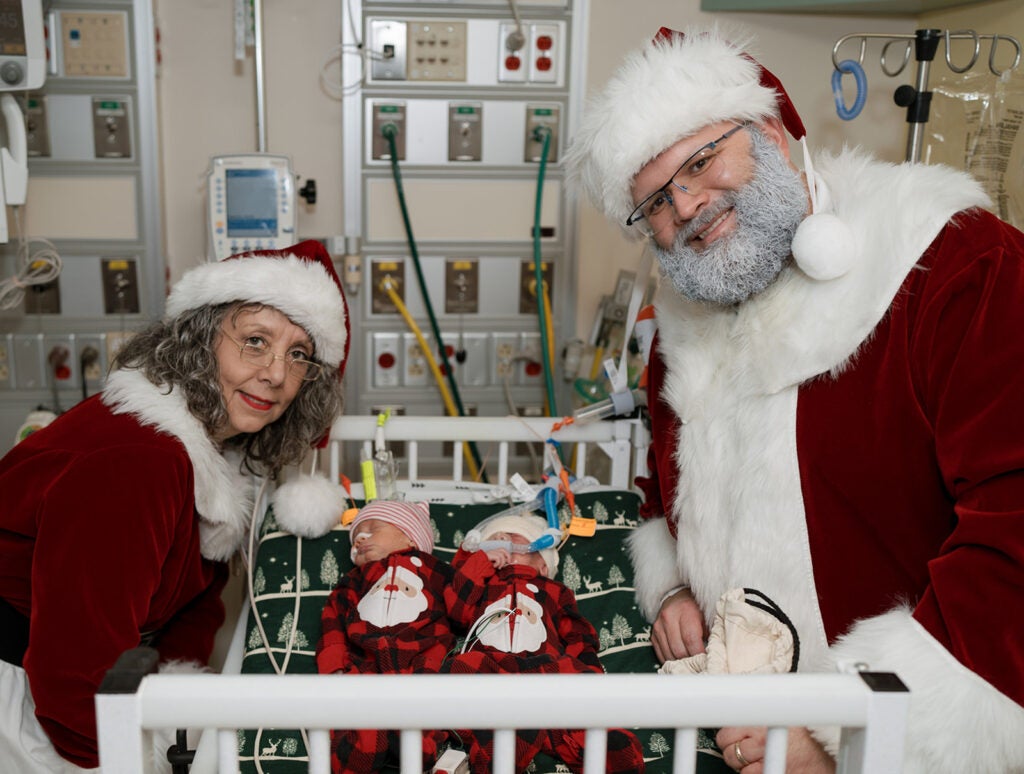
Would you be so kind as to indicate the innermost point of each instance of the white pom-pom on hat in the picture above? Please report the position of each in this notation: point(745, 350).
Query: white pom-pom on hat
point(308, 506)
point(823, 246)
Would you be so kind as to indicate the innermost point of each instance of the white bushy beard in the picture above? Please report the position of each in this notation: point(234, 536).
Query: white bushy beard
point(768, 211)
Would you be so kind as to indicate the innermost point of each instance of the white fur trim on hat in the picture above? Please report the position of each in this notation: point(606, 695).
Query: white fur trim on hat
point(662, 93)
point(413, 518)
point(308, 506)
point(302, 290)
point(530, 527)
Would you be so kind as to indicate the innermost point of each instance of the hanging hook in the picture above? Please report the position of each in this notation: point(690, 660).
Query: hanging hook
point(854, 68)
point(992, 54)
point(977, 49)
point(903, 64)
point(835, 51)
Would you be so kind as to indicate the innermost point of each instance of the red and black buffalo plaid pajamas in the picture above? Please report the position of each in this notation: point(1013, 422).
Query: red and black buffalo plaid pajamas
point(352, 645)
point(570, 644)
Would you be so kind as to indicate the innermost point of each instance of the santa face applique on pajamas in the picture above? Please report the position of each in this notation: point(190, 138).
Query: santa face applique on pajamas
point(387, 616)
point(526, 623)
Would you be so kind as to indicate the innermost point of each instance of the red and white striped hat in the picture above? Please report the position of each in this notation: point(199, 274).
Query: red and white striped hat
point(413, 518)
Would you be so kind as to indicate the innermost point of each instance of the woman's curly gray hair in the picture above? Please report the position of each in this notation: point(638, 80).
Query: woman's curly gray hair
point(180, 353)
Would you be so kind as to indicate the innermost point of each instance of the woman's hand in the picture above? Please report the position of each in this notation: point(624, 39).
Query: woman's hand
point(678, 630)
point(743, 749)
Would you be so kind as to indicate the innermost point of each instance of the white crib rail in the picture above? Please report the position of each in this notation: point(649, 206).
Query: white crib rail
point(871, 708)
point(624, 441)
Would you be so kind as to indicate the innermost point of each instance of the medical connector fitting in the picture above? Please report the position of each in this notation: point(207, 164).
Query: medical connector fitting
point(618, 404)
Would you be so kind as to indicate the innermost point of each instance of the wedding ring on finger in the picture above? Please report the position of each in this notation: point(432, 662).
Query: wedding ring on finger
point(739, 755)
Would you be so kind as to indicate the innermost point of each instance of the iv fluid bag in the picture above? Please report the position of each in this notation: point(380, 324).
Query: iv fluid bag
point(975, 125)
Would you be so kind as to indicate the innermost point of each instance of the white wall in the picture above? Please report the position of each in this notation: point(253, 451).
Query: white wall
point(208, 101)
point(208, 107)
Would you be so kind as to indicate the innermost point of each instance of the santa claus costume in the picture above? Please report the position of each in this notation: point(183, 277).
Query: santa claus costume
point(118, 518)
point(849, 440)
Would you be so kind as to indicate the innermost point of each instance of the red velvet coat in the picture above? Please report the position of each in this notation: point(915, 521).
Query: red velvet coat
point(102, 545)
point(855, 450)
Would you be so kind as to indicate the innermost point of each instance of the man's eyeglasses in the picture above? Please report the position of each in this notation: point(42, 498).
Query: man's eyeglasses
point(701, 170)
point(299, 364)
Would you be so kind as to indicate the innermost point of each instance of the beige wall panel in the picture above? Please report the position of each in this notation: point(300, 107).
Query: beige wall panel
point(460, 210)
point(81, 208)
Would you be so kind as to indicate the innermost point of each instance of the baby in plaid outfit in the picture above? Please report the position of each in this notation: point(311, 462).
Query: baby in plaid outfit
point(520, 619)
point(386, 615)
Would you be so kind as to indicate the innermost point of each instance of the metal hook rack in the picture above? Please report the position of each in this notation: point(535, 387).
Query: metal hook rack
point(924, 44)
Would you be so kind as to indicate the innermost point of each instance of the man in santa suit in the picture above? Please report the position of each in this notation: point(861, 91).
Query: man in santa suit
point(834, 395)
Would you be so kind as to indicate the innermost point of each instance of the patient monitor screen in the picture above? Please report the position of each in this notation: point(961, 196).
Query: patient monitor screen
point(12, 28)
point(251, 199)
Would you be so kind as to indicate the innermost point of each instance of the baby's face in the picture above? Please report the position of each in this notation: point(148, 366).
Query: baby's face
point(374, 539)
point(532, 558)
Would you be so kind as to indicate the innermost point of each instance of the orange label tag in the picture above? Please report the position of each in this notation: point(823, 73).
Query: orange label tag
point(349, 516)
point(581, 527)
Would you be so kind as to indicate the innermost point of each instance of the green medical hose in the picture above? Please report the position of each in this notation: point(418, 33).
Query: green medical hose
point(542, 133)
point(389, 131)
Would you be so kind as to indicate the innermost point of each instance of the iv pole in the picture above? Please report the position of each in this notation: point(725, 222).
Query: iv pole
point(917, 99)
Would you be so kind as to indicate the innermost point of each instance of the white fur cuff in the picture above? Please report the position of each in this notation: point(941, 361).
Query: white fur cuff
point(958, 722)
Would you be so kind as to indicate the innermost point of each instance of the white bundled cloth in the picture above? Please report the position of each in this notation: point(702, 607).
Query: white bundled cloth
point(749, 635)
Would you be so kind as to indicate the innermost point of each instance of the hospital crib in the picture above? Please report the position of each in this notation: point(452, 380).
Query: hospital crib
point(869, 707)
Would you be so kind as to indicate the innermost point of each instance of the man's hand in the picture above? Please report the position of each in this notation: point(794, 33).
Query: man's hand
point(678, 630)
point(803, 753)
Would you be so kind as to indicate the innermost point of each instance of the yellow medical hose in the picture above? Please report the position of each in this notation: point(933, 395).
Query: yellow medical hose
point(549, 354)
point(388, 286)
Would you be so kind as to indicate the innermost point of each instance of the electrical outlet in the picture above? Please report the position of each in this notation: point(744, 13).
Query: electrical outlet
point(28, 361)
point(386, 353)
point(417, 371)
point(503, 357)
point(91, 359)
point(473, 370)
point(61, 364)
point(530, 351)
point(512, 53)
point(545, 53)
point(114, 341)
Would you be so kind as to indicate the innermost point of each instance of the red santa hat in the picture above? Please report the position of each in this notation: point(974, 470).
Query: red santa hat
point(670, 89)
point(301, 283)
point(413, 518)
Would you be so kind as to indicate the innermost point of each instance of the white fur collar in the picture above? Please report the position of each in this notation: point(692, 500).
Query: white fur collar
point(223, 494)
point(800, 327)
